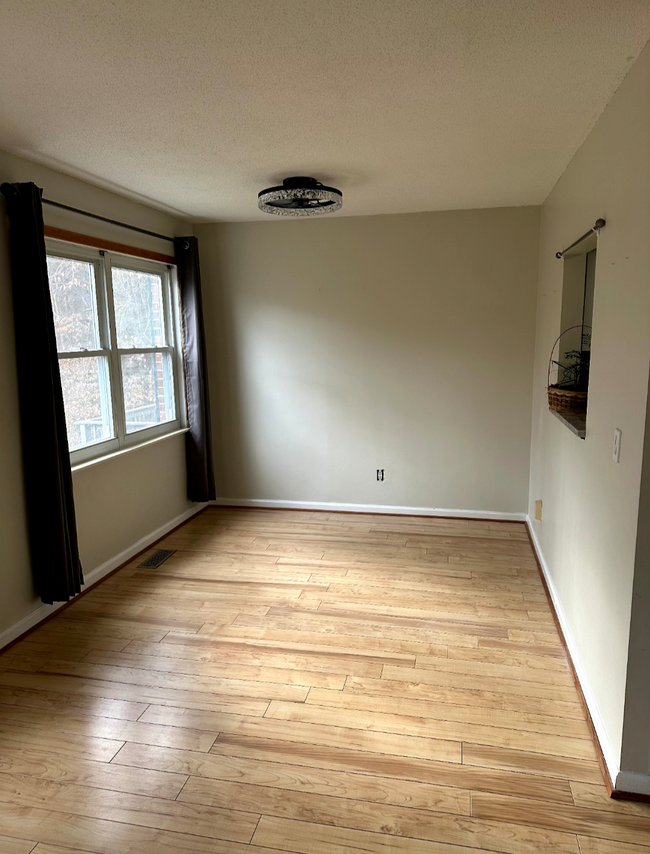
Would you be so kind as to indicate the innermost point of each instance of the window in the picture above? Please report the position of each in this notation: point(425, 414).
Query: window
point(117, 336)
point(571, 358)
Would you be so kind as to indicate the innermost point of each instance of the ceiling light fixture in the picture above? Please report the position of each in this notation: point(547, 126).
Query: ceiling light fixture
point(300, 197)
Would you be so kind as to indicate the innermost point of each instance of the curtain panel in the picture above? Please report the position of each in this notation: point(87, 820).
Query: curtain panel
point(46, 458)
point(198, 447)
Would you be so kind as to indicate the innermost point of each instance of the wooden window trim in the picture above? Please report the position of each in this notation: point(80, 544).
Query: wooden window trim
point(108, 245)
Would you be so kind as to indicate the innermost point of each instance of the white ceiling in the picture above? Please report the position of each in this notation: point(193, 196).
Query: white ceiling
point(406, 105)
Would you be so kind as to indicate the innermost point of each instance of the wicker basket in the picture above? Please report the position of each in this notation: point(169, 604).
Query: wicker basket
point(562, 400)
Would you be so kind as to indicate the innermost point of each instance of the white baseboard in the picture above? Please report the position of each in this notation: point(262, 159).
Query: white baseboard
point(391, 510)
point(43, 611)
point(609, 755)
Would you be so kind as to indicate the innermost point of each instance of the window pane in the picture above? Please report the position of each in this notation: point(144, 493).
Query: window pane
point(86, 396)
point(139, 316)
point(148, 390)
point(72, 287)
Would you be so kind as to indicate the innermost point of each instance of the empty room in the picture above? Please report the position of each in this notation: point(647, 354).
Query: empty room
point(324, 427)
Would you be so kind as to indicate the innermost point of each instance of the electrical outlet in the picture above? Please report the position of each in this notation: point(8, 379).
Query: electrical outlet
point(538, 510)
point(380, 474)
point(617, 446)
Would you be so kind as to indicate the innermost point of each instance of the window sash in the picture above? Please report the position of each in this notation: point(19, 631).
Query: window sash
point(98, 307)
point(100, 446)
point(104, 262)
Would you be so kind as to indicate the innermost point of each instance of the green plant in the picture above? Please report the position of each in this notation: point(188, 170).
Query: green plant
point(573, 372)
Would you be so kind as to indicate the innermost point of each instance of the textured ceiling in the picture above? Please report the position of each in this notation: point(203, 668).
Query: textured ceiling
point(406, 105)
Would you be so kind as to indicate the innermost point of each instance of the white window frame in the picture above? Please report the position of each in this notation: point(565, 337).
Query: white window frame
point(103, 262)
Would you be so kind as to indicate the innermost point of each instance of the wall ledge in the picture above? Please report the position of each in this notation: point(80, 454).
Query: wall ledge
point(42, 612)
point(385, 509)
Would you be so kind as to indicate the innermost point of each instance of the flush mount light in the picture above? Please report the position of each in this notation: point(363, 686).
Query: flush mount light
point(300, 197)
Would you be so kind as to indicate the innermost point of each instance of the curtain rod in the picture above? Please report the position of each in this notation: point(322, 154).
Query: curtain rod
point(595, 229)
point(110, 221)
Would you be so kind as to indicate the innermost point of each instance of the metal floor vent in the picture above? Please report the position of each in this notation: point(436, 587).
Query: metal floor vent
point(158, 557)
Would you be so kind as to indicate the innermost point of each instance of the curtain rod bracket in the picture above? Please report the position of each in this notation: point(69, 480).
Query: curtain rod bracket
point(595, 229)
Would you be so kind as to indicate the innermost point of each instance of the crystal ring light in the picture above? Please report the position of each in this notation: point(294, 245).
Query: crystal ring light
point(300, 197)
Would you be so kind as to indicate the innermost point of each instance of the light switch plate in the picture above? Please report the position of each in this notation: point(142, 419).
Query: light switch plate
point(617, 445)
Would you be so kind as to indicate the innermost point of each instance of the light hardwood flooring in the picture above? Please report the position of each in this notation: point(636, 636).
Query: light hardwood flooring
point(316, 683)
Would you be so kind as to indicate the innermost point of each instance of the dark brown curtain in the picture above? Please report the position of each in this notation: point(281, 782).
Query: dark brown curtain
point(46, 458)
point(198, 447)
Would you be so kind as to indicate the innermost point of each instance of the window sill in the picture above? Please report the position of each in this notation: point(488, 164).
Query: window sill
point(576, 423)
point(96, 460)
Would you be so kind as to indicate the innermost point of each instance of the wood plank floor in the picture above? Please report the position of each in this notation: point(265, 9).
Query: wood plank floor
point(316, 683)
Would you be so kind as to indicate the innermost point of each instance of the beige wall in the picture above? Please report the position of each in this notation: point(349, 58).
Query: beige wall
point(588, 534)
point(403, 342)
point(120, 501)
